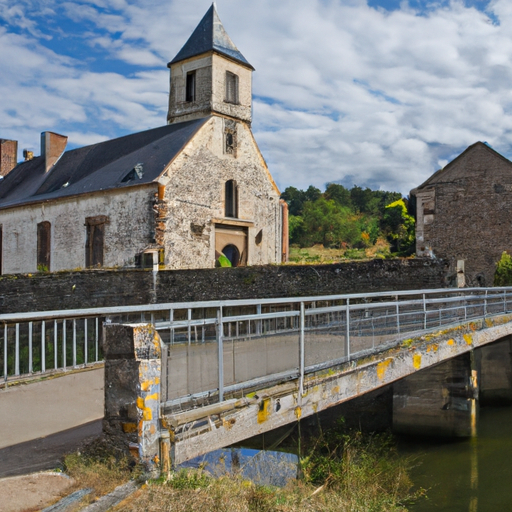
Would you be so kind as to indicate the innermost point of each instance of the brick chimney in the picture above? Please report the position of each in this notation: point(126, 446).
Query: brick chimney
point(8, 156)
point(52, 147)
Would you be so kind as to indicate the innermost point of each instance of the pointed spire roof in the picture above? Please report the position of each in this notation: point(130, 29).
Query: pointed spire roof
point(210, 35)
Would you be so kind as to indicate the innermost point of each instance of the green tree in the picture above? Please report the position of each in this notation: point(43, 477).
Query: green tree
point(399, 227)
point(295, 199)
point(339, 194)
point(295, 229)
point(329, 224)
point(503, 274)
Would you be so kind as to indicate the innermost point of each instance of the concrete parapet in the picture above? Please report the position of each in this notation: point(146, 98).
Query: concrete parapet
point(132, 390)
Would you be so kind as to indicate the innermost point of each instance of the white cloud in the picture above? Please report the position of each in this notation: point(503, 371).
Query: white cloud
point(343, 92)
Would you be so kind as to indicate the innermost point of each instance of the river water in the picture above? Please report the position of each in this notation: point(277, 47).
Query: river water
point(473, 475)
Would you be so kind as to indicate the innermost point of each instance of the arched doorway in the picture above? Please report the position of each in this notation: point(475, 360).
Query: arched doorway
point(232, 254)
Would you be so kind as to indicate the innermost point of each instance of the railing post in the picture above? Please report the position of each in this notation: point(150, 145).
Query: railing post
point(347, 331)
point(485, 304)
point(43, 346)
point(189, 331)
point(5, 353)
point(30, 355)
point(86, 341)
point(17, 351)
point(424, 313)
point(397, 315)
point(55, 345)
point(220, 346)
point(97, 339)
point(64, 349)
point(74, 342)
point(301, 349)
point(258, 322)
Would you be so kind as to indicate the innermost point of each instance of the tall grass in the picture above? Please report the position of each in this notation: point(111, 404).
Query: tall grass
point(343, 472)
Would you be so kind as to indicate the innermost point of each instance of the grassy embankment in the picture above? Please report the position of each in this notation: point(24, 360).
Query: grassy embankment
point(342, 473)
point(318, 254)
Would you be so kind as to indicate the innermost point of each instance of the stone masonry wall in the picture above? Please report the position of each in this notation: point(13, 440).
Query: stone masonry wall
point(99, 288)
point(465, 214)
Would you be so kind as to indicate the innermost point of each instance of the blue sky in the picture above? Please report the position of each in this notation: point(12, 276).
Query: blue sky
point(377, 93)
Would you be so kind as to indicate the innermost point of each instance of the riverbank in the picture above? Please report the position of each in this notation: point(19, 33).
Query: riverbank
point(342, 472)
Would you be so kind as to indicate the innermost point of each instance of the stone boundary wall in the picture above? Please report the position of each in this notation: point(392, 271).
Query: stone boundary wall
point(103, 288)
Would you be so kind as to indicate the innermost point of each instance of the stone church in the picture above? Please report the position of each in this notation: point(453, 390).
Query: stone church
point(464, 212)
point(185, 195)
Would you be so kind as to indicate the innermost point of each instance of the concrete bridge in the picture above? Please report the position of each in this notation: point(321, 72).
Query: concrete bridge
point(183, 379)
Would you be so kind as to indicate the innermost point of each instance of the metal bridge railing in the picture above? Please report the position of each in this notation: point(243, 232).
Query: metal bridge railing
point(233, 345)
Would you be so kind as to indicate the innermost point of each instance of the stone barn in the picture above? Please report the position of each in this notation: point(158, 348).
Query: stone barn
point(177, 196)
point(464, 214)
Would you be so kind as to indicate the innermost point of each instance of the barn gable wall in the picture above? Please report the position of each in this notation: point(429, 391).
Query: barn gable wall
point(464, 214)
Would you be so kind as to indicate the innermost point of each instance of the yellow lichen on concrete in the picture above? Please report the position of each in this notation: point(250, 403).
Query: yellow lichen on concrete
point(489, 322)
point(146, 385)
point(335, 390)
point(264, 410)
point(128, 428)
point(382, 367)
point(451, 342)
point(433, 347)
point(298, 412)
point(468, 338)
point(147, 415)
point(416, 361)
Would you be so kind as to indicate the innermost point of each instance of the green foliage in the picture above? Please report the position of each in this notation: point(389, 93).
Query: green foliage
point(399, 227)
point(342, 218)
point(189, 479)
point(503, 274)
point(365, 467)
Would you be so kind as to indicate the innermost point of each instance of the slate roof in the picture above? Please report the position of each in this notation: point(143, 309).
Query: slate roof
point(210, 35)
point(101, 166)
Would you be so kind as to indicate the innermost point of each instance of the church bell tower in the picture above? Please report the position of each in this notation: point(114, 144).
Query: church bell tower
point(209, 76)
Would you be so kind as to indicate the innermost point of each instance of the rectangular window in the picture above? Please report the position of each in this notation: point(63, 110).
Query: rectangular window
point(231, 87)
point(44, 248)
point(190, 93)
point(231, 199)
point(95, 240)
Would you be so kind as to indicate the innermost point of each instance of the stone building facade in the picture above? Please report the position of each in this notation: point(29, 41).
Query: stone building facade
point(186, 195)
point(464, 213)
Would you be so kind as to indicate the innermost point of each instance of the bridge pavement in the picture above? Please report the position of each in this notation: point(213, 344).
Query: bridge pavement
point(39, 409)
point(41, 421)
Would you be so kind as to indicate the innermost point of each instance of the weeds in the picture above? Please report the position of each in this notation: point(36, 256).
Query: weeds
point(344, 472)
point(99, 469)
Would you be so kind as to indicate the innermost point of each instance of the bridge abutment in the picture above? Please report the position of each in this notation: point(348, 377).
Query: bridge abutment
point(494, 363)
point(438, 401)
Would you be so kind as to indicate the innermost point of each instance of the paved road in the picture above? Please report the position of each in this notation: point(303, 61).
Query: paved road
point(45, 452)
point(41, 421)
point(39, 409)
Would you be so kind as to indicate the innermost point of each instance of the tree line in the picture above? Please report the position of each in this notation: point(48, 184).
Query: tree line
point(349, 218)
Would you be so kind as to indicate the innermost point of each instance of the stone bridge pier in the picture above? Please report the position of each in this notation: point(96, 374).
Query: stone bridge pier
point(443, 400)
